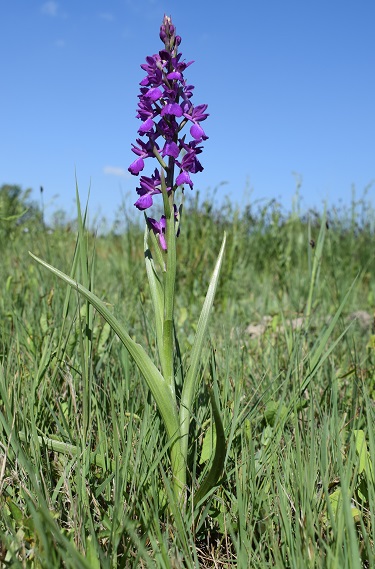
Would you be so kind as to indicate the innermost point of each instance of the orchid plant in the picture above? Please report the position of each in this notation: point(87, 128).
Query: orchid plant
point(166, 110)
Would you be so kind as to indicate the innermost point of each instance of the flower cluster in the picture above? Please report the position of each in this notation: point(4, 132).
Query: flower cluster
point(165, 108)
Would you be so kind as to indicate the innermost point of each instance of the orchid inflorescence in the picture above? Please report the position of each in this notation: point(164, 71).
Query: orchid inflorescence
point(165, 108)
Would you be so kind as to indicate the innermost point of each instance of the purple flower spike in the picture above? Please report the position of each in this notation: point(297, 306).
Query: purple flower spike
point(165, 108)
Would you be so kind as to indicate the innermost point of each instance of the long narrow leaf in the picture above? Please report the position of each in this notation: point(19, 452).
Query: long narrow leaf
point(219, 459)
point(169, 294)
point(157, 296)
point(190, 382)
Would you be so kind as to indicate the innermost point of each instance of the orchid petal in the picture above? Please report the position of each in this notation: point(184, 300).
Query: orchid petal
point(144, 202)
point(153, 94)
point(136, 166)
point(171, 149)
point(171, 109)
point(184, 178)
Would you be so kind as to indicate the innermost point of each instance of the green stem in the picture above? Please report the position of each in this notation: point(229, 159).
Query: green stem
point(179, 462)
point(169, 283)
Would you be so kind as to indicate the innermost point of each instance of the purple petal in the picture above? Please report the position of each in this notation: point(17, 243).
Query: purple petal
point(162, 241)
point(154, 94)
point(163, 223)
point(157, 226)
point(154, 224)
point(144, 202)
point(199, 113)
point(149, 185)
point(197, 132)
point(136, 166)
point(184, 178)
point(146, 126)
point(172, 109)
point(174, 75)
point(171, 149)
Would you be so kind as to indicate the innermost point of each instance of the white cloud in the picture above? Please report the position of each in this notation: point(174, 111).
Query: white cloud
point(116, 171)
point(50, 8)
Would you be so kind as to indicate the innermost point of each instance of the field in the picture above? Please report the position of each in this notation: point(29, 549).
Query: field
point(290, 353)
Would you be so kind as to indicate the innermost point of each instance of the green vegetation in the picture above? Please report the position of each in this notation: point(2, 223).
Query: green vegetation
point(82, 452)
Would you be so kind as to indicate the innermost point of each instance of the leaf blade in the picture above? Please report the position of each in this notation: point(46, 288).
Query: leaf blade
point(190, 382)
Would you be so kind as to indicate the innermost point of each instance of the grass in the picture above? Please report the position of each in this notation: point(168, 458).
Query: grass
point(84, 471)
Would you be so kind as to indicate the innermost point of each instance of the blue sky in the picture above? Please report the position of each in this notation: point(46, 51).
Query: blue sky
point(290, 87)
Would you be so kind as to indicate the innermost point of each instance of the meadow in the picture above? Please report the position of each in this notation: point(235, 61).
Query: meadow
point(84, 468)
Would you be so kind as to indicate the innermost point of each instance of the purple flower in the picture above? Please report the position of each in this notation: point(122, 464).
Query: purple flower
point(197, 132)
point(144, 150)
point(197, 115)
point(159, 227)
point(154, 71)
point(189, 162)
point(174, 75)
point(144, 202)
point(184, 178)
point(149, 186)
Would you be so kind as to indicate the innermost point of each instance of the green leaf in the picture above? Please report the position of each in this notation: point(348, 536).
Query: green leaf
point(157, 295)
point(361, 449)
point(274, 412)
point(219, 459)
point(16, 513)
point(337, 506)
point(103, 337)
point(13, 217)
point(208, 444)
point(191, 379)
point(91, 554)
